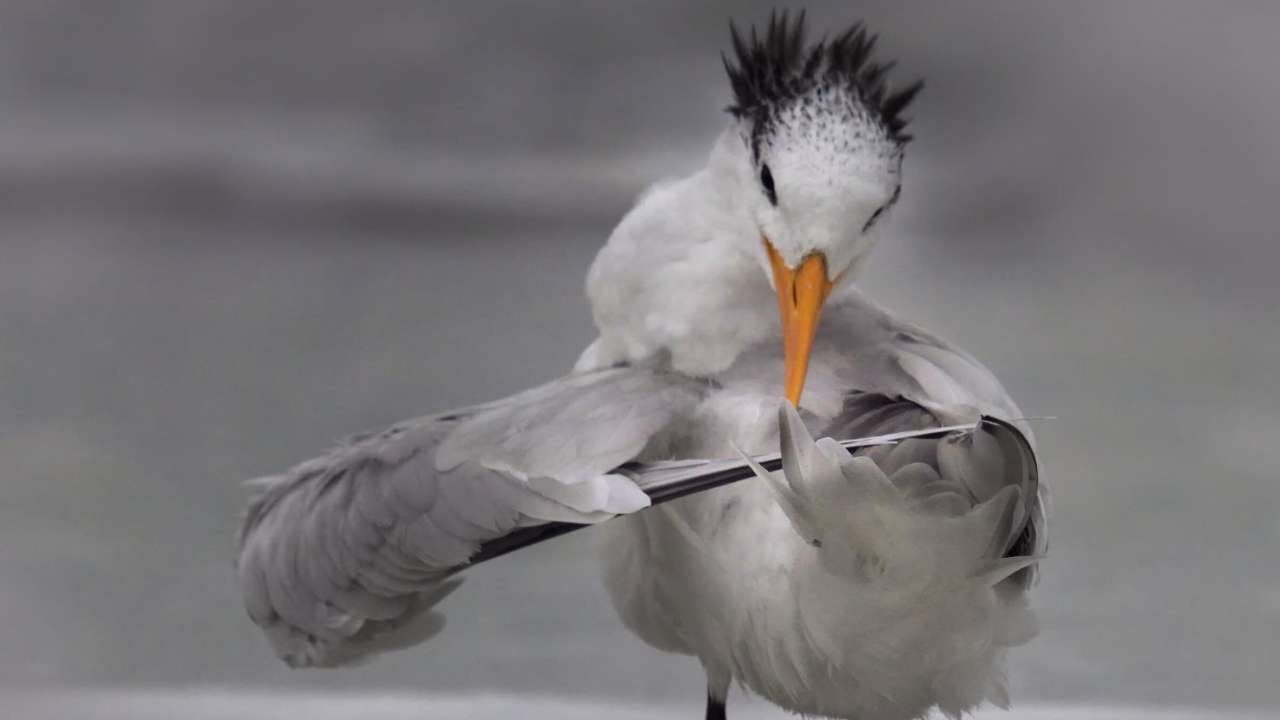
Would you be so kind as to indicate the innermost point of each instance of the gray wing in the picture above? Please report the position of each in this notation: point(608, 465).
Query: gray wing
point(885, 354)
point(953, 472)
point(344, 555)
point(904, 378)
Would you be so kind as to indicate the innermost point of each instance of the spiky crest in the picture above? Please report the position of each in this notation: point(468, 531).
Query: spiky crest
point(777, 68)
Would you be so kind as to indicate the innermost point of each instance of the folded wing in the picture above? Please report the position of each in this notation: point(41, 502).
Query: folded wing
point(990, 466)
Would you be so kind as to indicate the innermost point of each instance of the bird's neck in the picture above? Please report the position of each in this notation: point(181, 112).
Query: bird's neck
point(678, 279)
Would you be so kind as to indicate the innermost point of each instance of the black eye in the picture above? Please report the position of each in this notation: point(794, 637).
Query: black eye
point(766, 179)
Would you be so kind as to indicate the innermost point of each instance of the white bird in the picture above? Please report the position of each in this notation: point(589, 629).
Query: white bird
point(877, 585)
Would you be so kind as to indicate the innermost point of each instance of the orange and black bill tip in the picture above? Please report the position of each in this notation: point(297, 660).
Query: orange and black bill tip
point(801, 292)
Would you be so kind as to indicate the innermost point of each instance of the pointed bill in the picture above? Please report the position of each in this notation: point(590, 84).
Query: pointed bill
point(801, 292)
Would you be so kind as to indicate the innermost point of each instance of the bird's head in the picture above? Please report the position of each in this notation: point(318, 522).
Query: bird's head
point(822, 138)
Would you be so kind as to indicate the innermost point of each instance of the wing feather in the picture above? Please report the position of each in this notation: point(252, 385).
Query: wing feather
point(989, 470)
point(346, 555)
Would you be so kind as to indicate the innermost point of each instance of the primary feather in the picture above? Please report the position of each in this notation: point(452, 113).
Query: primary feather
point(347, 554)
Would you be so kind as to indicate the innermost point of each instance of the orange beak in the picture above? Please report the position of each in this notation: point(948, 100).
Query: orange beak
point(801, 292)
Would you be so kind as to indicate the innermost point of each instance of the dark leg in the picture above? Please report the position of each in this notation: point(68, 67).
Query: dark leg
point(717, 690)
point(715, 708)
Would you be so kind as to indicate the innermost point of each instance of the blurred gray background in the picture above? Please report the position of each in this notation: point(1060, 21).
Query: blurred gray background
point(232, 232)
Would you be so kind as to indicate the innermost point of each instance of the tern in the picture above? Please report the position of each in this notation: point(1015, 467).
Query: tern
point(875, 577)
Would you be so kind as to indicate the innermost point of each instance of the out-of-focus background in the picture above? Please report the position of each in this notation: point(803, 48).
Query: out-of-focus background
point(233, 231)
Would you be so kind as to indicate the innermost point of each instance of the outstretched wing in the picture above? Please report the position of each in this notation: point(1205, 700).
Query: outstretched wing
point(345, 555)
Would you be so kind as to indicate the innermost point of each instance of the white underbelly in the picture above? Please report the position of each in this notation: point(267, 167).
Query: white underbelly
point(698, 574)
point(690, 575)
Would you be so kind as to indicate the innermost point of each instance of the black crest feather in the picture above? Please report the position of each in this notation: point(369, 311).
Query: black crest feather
point(778, 67)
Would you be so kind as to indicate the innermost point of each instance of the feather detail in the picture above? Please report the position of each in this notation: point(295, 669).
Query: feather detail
point(348, 554)
point(914, 596)
point(777, 67)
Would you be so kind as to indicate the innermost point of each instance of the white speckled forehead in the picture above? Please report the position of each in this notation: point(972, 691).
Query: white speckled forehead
point(827, 133)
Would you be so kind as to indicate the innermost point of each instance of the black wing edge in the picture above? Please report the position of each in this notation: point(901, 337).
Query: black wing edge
point(1005, 432)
